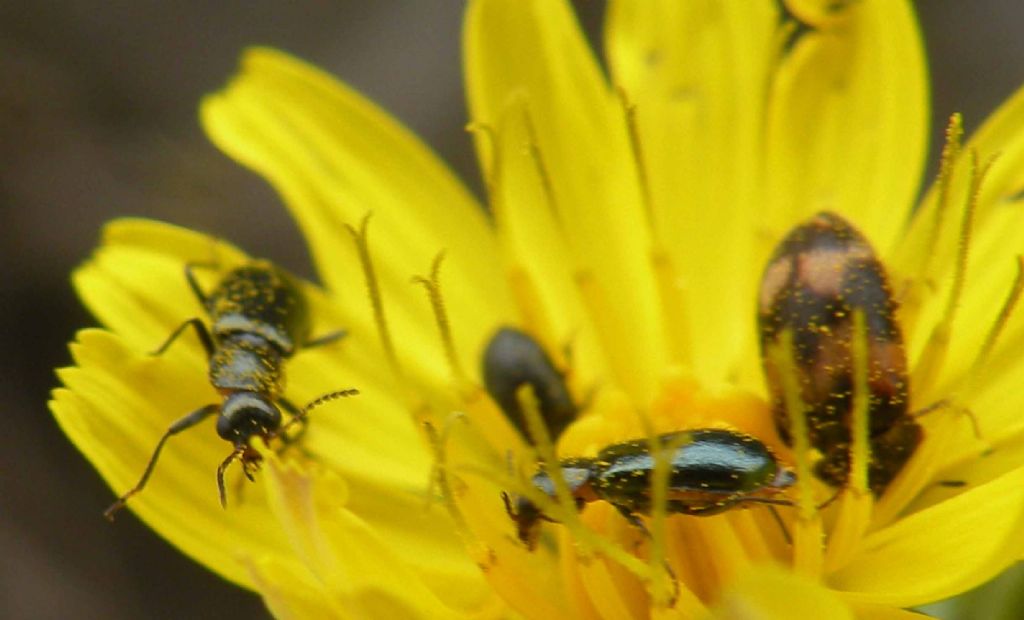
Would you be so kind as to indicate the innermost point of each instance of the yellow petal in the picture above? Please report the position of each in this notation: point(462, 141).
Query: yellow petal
point(535, 49)
point(527, 62)
point(1001, 136)
point(135, 283)
point(848, 121)
point(970, 470)
point(944, 549)
point(768, 593)
point(540, 261)
point(335, 157)
point(115, 406)
point(882, 612)
point(290, 591)
point(366, 572)
point(992, 249)
point(374, 445)
point(697, 74)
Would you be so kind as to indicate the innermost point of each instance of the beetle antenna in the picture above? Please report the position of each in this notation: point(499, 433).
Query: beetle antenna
point(313, 404)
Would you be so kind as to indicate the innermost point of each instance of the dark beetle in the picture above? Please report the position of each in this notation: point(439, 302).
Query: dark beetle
point(710, 471)
point(513, 359)
point(259, 318)
point(820, 274)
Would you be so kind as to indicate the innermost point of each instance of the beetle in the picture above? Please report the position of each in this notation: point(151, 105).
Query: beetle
point(820, 274)
point(513, 359)
point(258, 319)
point(710, 471)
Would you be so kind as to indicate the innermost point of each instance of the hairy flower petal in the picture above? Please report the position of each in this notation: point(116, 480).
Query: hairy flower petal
point(115, 405)
point(527, 62)
point(336, 158)
point(697, 75)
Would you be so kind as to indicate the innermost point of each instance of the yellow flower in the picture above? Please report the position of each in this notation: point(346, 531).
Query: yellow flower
point(631, 218)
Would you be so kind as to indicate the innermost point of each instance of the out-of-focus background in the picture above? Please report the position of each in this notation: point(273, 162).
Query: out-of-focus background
point(98, 120)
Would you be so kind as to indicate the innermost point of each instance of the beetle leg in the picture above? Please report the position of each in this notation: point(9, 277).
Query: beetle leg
point(327, 338)
point(955, 408)
point(204, 336)
point(634, 519)
point(193, 283)
point(184, 423)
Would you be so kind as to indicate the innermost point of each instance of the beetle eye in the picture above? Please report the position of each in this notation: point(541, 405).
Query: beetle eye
point(245, 414)
point(784, 478)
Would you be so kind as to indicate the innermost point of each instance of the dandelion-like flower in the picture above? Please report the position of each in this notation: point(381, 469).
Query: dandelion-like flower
point(631, 217)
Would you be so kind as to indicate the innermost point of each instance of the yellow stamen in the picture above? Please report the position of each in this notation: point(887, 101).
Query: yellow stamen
point(588, 541)
point(594, 298)
point(674, 307)
point(439, 477)
point(361, 239)
point(490, 165)
point(933, 357)
point(629, 109)
point(542, 170)
point(595, 302)
point(966, 232)
point(673, 304)
point(657, 559)
point(857, 502)
point(1001, 320)
point(860, 450)
point(807, 535)
point(433, 286)
point(922, 283)
point(974, 374)
point(546, 452)
point(950, 153)
point(528, 302)
point(662, 590)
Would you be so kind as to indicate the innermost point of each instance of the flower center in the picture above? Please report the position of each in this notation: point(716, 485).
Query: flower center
point(603, 506)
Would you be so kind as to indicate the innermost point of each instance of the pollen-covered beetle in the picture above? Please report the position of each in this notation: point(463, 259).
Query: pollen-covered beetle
point(258, 319)
point(513, 359)
point(710, 471)
point(818, 277)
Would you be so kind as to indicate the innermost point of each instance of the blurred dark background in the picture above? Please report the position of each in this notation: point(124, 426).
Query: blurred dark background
point(98, 120)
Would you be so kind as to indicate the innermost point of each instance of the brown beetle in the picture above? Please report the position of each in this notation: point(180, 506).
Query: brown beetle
point(819, 275)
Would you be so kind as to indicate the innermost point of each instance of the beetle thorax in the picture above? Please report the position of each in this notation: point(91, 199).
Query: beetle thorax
point(247, 362)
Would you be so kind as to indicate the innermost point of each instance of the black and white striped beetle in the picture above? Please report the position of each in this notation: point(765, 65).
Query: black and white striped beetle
point(710, 471)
